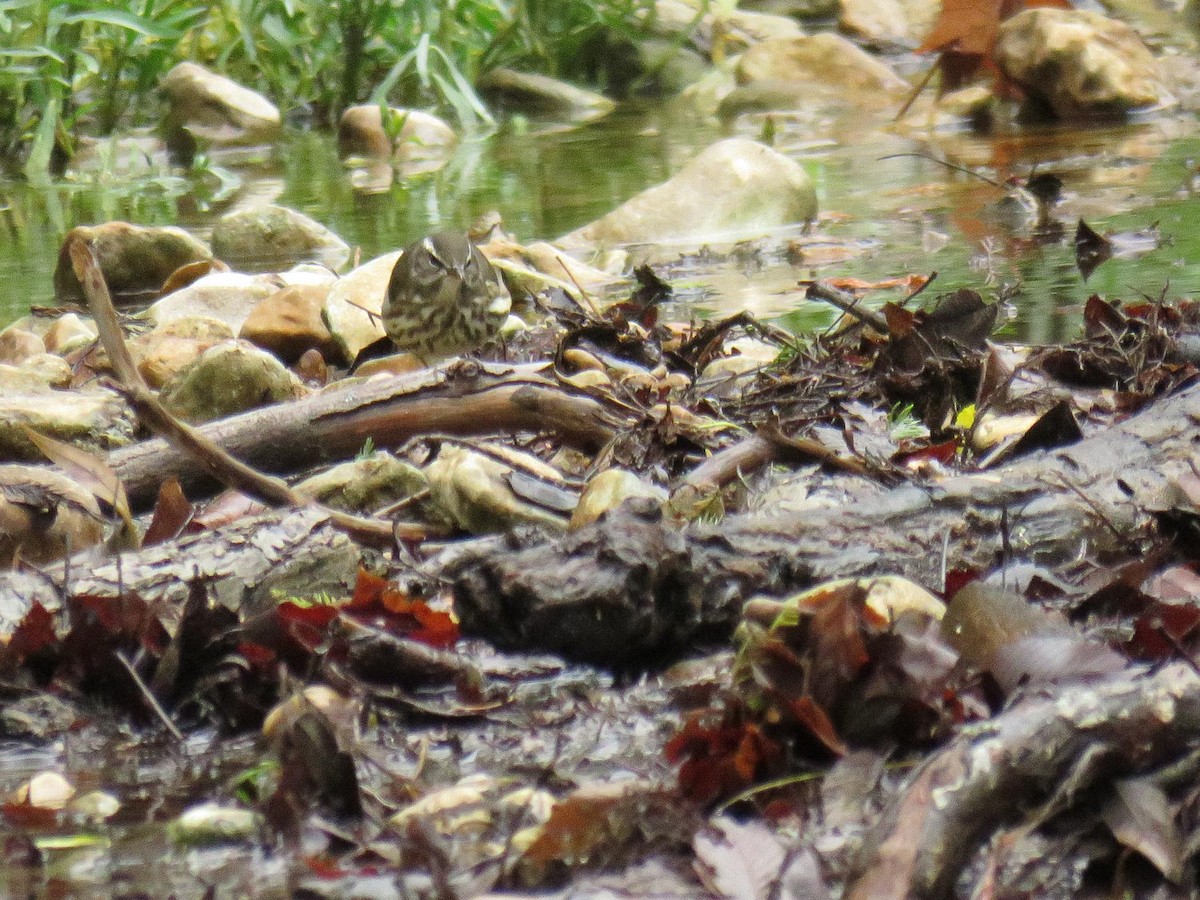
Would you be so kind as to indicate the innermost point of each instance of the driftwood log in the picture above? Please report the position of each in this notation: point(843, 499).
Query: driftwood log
point(460, 398)
point(635, 583)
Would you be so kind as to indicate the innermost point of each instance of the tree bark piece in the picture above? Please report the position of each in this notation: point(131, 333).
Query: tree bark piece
point(1136, 720)
point(630, 584)
point(608, 595)
point(296, 552)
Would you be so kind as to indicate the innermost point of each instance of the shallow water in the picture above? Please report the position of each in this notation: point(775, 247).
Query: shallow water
point(882, 215)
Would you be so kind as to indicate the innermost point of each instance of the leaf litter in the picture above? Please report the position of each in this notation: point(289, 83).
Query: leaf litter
point(370, 732)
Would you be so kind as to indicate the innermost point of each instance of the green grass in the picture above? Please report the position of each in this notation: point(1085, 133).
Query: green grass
point(92, 67)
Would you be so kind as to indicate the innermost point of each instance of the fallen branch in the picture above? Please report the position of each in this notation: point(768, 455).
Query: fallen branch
point(188, 440)
point(241, 564)
point(766, 446)
point(459, 398)
point(740, 459)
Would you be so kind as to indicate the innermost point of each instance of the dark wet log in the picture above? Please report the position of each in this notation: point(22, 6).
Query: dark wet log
point(633, 584)
point(296, 552)
point(612, 593)
point(1044, 745)
point(459, 398)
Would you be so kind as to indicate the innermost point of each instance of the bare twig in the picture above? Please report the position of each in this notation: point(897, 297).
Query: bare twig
point(949, 165)
point(920, 289)
point(745, 456)
point(149, 697)
point(767, 445)
point(585, 300)
point(917, 91)
point(849, 304)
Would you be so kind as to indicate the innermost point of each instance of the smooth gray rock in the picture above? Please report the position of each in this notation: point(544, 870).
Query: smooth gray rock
point(217, 109)
point(540, 94)
point(734, 186)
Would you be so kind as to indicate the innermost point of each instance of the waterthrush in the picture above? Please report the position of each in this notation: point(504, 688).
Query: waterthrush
point(444, 297)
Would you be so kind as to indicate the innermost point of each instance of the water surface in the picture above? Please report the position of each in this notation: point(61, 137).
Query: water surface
point(883, 215)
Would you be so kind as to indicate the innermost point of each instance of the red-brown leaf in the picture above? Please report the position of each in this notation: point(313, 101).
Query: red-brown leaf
point(33, 634)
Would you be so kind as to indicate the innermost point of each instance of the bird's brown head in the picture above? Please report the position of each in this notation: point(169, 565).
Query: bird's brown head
point(444, 297)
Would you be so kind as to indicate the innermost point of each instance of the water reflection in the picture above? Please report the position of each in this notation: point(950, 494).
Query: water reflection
point(883, 216)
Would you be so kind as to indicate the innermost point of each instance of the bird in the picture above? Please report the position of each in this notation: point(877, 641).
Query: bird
point(444, 298)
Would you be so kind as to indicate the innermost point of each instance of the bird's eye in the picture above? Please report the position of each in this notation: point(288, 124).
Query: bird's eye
point(432, 258)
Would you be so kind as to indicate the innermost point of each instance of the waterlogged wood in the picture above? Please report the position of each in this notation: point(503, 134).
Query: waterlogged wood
point(298, 552)
point(606, 593)
point(1077, 737)
point(458, 398)
point(634, 584)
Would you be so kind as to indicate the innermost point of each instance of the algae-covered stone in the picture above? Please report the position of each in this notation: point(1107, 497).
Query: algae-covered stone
point(133, 258)
point(269, 238)
point(229, 378)
point(93, 418)
point(608, 490)
point(173, 346)
point(475, 492)
point(365, 485)
point(732, 187)
point(211, 823)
